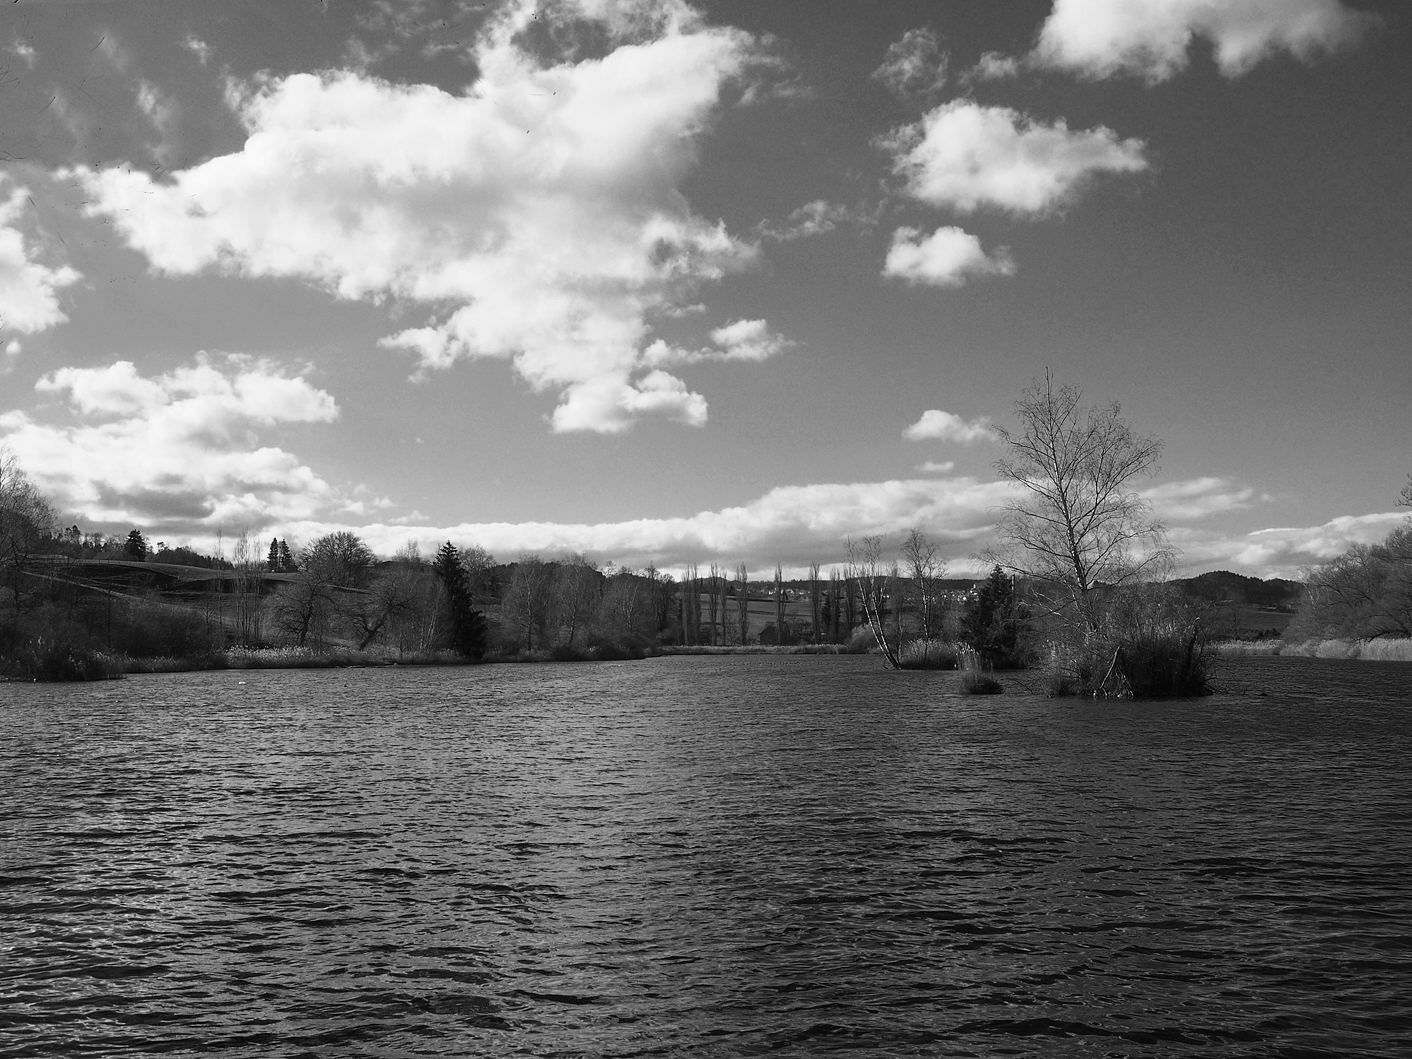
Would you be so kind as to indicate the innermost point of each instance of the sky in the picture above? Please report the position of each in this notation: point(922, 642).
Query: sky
point(731, 281)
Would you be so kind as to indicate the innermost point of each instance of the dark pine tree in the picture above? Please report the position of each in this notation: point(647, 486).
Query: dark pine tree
point(273, 560)
point(136, 546)
point(995, 621)
point(466, 625)
point(286, 561)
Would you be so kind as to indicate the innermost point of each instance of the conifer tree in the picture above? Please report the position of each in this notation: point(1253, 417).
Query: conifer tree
point(467, 626)
point(272, 560)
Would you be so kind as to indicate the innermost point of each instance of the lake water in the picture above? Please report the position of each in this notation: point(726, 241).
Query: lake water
point(705, 857)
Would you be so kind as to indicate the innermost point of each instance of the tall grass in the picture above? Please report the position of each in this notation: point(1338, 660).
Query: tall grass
point(928, 654)
point(1380, 650)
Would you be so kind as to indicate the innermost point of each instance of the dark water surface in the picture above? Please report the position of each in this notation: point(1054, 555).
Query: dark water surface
point(703, 857)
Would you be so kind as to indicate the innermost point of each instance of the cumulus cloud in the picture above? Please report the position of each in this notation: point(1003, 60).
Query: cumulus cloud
point(29, 289)
point(946, 258)
point(742, 340)
point(966, 156)
point(538, 214)
point(177, 451)
point(794, 525)
point(914, 66)
point(936, 425)
point(1152, 39)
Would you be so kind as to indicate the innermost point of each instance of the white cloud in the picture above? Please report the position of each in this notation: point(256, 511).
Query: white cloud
point(945, 426)
point(1282, 551)
point(197, 47)
point(946, 258)
point(1152, 38)
point(813, 218)
point(743, 340)
point(177, 451)
point(25, 51)
point(966, 156)
point(933, 467)
point(790, 524)
point(29, 290)
point(1197, 498)
point(13, 348)
point(538, 213)
point(914, 66)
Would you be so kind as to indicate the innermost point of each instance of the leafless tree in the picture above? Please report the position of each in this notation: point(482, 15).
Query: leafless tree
point(779, 604)
point(575, 584)
point(1363, 594)
point(742, 601)
point(863, 560)
point(1078, 529)
point(25, 519)
point(923, 570)
point(814, 601)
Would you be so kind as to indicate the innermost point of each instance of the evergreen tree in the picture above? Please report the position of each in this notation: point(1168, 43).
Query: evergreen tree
point(136, 546)
point(995, 621)
point(286, 561)
point(466, 626)
point(273, 559)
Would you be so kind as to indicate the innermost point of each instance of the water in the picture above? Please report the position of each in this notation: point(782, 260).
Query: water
point(704, 857)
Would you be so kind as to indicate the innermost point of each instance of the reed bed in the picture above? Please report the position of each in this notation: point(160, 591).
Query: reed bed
point(1380, 650)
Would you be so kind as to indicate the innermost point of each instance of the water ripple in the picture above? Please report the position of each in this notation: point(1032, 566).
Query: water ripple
point(703, 857)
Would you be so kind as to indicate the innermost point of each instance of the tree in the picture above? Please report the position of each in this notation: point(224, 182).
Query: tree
point(995, 621)
point(465, 624)
point(272, 560)
point(1077, 530)
point(1363, 594)
point(136, 546)
point(25, 519)
point(923, 569)
point(863, 560)
point(330, 567)
point(742, 601)
point(286, 560)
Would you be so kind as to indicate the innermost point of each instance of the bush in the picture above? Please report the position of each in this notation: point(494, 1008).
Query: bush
point(1152, 662)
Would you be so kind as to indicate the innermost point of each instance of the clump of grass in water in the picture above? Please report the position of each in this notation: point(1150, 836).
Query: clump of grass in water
point(975, 678)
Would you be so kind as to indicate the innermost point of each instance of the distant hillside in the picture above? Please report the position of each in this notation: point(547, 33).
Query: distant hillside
point(1222, 586)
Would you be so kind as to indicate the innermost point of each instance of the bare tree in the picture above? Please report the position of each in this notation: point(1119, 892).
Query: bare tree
point(1077, 529)
point(529, 601)
point(1363, 594)
point(814, 601)
point(923, 569)
point(742, 602)
point(863, 559)
point(25, 519)
point(575, 598)
point(779, 605)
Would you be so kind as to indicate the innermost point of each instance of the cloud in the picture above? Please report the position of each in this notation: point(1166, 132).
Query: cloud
point(813, 218)
point(1152, 40)
point(743, 340)
point(29, 290)
point(946, 258)
point(176, 452)
point(933, 467)
point(197, 47)
point(1197, 498)
point(914, 66)
point(794, 525)
point(1282, 551)
point(944, 426)
point(538, 214)
point(966, 156)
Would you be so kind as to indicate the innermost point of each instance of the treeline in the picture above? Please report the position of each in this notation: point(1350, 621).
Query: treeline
point(1364, 594)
